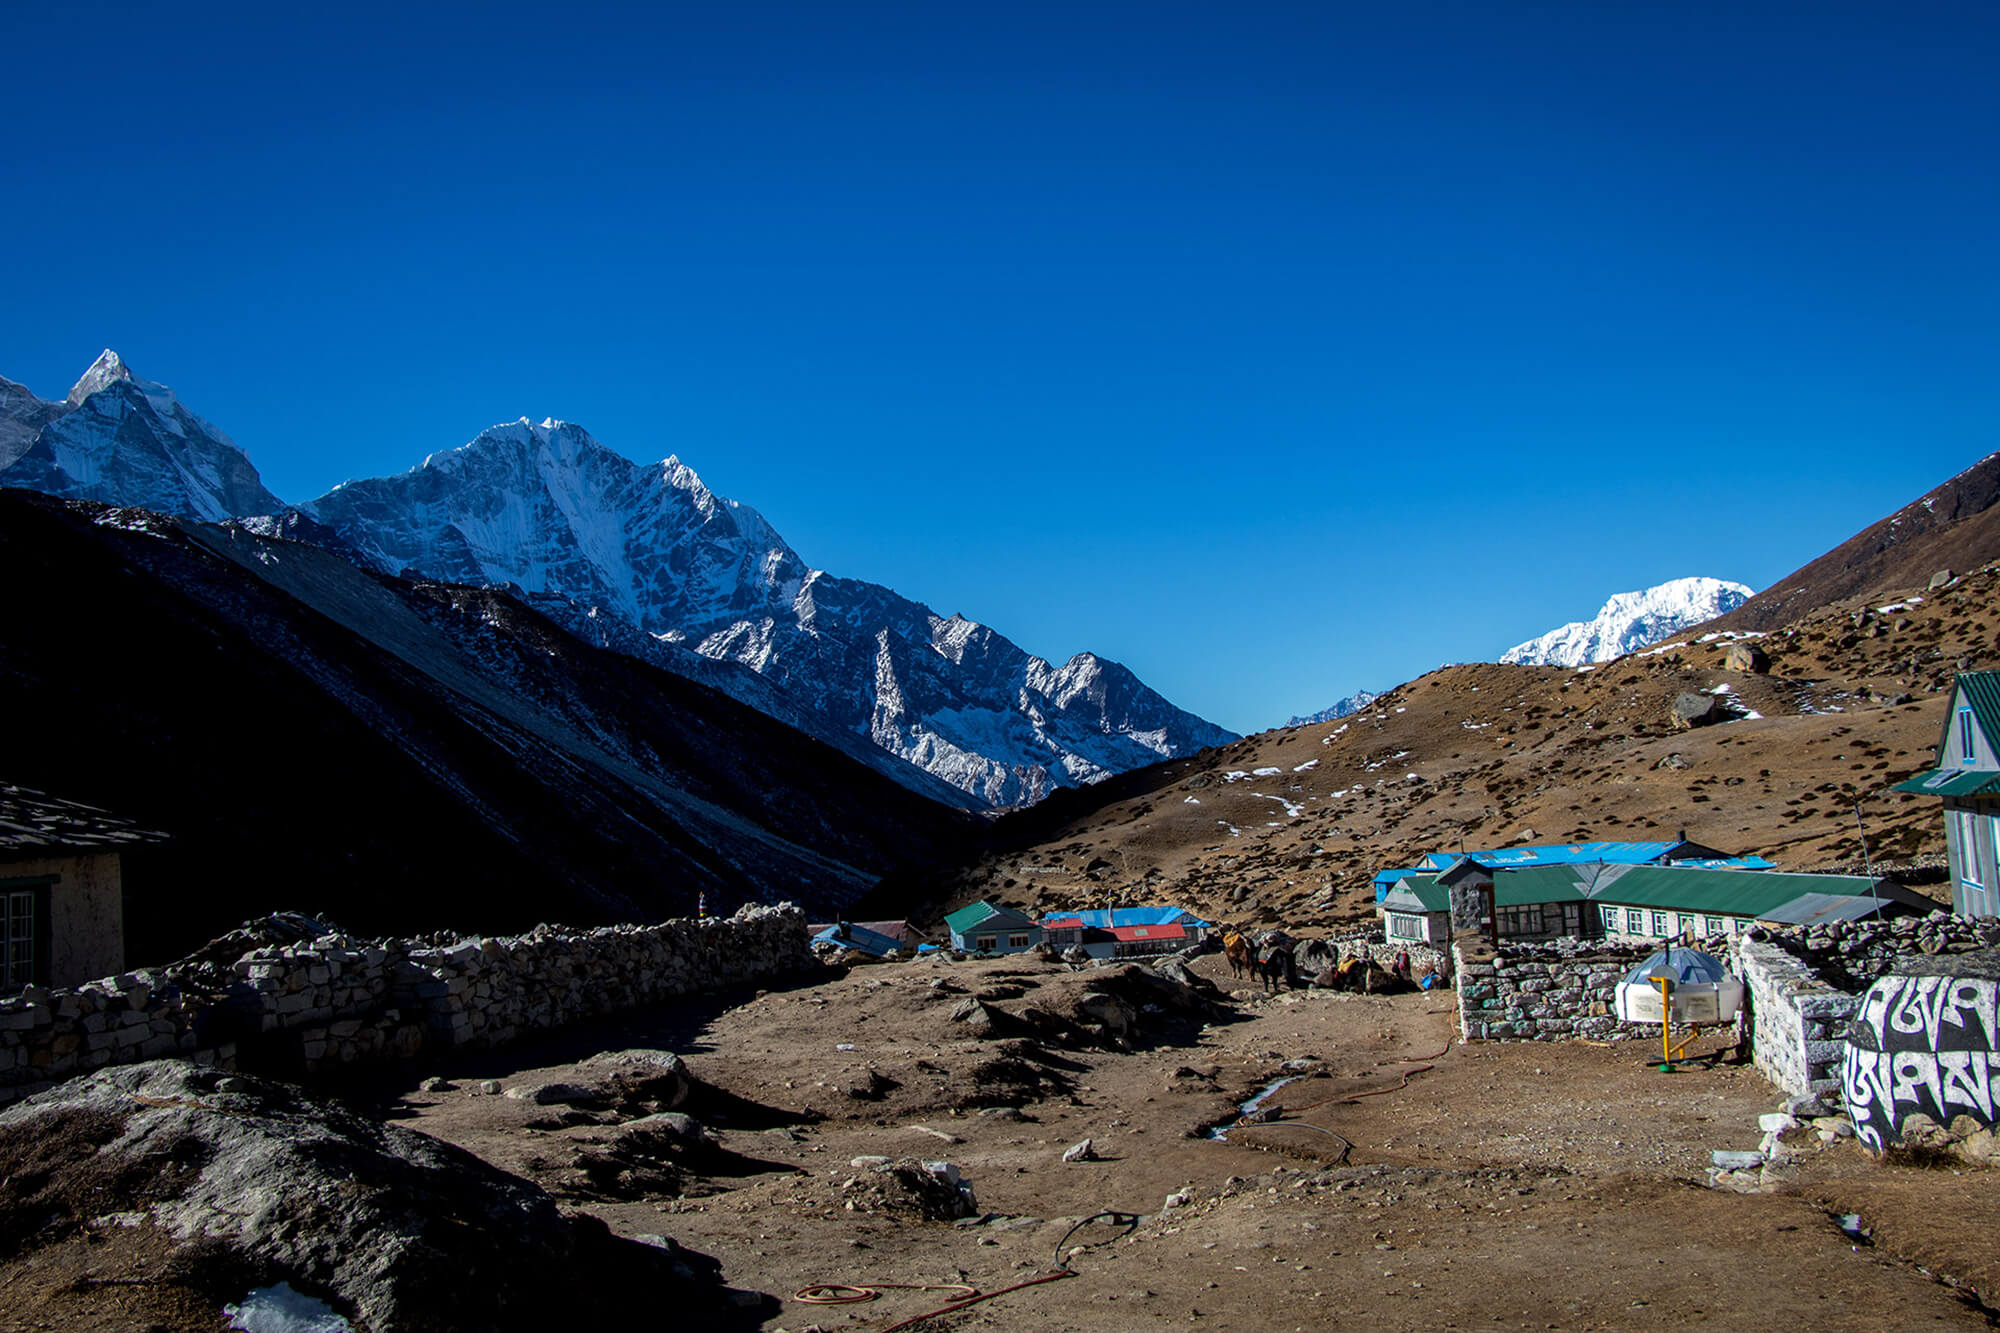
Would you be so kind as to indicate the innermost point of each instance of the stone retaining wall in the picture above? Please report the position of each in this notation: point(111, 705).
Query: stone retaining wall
point(1798, 1021)
point(311, 1008)
point(1423, 957)
point(1540, 992)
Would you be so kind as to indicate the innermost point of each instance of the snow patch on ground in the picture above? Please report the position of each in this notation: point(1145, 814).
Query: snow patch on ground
point(1292, 808)
point(279, 1309)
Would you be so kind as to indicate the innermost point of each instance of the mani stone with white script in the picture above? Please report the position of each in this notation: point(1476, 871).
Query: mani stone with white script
point(1923, 1051)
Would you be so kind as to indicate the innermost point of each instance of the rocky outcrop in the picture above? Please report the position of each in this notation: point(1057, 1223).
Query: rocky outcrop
point(395, 1229)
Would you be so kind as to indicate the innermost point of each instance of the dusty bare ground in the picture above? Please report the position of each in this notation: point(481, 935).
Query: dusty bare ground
point(1531, 1186)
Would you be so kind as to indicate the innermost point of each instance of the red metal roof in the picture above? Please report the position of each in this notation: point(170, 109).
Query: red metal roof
point(1149, 932)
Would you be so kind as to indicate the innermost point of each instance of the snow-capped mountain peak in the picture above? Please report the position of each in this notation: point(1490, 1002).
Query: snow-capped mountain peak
point(107, 370)
point(122, 440)
point(646, 557)
point(1631, 621)
point(548, 508)
point(1353, 703)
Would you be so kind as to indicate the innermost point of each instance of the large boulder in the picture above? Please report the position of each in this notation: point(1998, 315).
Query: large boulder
point(397, 1230)
point(1699, 710)
point(1746, 657)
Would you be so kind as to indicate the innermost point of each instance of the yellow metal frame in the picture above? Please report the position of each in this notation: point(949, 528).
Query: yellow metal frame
point(1669, 1052)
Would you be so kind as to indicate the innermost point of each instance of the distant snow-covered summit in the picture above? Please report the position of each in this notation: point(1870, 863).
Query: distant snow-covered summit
point(122, 440)
point(1631, 621)
point(1353, 703)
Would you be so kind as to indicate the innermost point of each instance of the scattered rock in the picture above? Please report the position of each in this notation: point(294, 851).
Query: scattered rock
point(1085, 1151)
point(668, 1130)
point(978, 1018)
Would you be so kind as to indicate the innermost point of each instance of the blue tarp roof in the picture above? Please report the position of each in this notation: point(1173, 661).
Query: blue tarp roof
point(858, 937)
point(1105, 919)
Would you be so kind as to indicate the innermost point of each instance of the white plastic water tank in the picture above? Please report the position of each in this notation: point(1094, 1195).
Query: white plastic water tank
point(1703, 990)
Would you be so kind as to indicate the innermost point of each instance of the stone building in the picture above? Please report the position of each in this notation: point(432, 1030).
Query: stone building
point(62, 894)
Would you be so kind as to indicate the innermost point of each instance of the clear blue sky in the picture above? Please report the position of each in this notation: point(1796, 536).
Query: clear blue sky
point(1275, 350)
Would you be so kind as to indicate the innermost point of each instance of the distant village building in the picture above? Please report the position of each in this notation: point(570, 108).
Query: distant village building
point(1627, 902)
point(1967, 777)
point(1678, 851)
point(1126, 932)
point(985, 928)
point(849, 935)
point(62, 894)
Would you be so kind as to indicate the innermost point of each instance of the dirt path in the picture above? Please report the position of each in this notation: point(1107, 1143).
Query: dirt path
point(1537, 1186)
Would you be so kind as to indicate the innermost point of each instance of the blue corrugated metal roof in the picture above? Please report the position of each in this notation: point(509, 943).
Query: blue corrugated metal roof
point(859, 937)
point(1110, 918)
point(1560, 854)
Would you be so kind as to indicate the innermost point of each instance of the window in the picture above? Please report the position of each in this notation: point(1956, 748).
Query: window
point(1403, 927)
point(24, 933)
point(1520, 920)
point(1970, 843)
point(1017, 941)
point(1660, 924)
point(1714, 924)
point(1610, 916)
point(1635, 921)
point(1965, 737)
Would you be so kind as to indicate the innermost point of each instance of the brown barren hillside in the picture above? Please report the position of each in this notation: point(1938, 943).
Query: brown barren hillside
point(1292, 825)
point(1954, 527)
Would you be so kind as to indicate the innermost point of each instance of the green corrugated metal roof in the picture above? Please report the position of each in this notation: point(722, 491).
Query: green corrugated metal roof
point(1734, 892)
point(1541, 884)
point(978, 914)
point(1432, 896)
point(1952, 782)
point(1982, 691)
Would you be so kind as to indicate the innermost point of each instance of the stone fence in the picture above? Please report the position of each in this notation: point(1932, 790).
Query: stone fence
point(1545, 992)
point(1798, 1021)
point(1423, 957)
point(310, 1008)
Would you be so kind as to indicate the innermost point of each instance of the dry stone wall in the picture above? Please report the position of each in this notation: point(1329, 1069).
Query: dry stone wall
point(1545, 992)
point(311, 1008)
point(1423, 958)
point(1798, 1020)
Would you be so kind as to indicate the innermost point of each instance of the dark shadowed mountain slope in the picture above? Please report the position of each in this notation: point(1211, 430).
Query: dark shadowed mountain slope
point(402, 756)
point(1954, 527)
